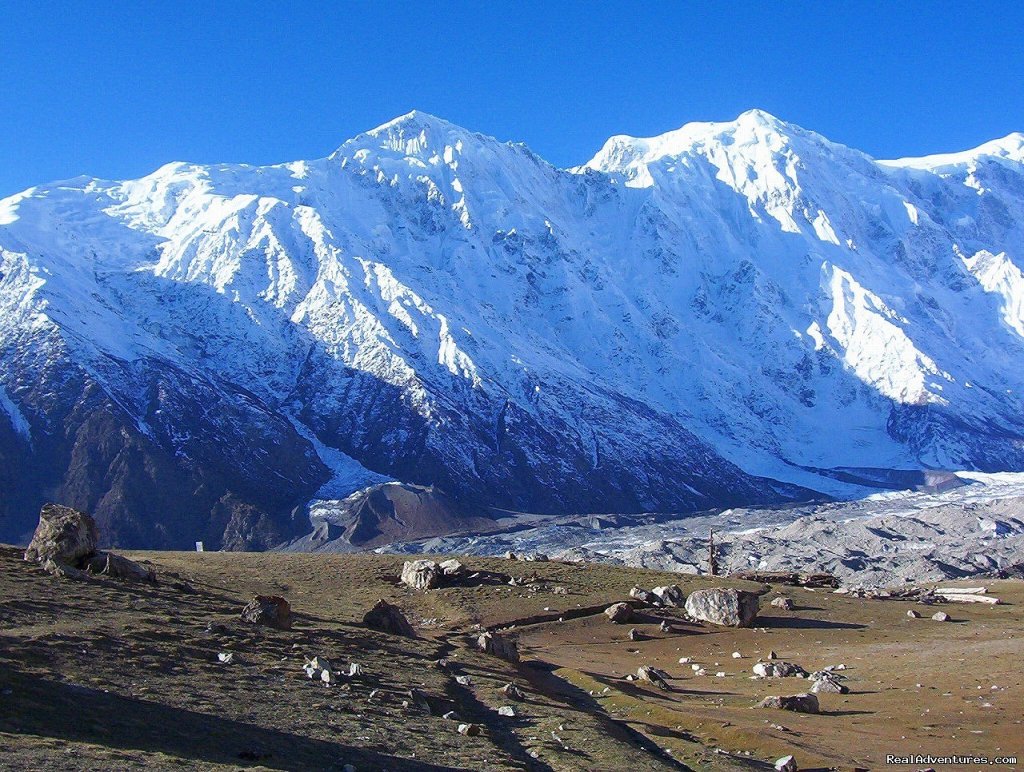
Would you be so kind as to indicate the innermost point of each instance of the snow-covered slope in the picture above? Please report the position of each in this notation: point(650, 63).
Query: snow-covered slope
point(730, 313)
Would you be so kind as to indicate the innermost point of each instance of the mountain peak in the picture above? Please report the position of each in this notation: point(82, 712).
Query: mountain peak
point(414, 134)
point(414, 120)
point(624, 153)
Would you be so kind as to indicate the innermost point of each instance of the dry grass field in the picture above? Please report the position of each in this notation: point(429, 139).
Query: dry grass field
point(107, 675)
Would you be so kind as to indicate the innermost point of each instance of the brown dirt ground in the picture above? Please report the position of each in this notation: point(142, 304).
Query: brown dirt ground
point(106, 675)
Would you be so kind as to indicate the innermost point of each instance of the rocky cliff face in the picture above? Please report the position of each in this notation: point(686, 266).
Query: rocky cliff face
point(727, 314)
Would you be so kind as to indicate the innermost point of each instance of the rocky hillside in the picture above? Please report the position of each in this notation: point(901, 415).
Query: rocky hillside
point(733, 313)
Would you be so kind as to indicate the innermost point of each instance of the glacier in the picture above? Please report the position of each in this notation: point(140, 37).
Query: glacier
point(730, 314)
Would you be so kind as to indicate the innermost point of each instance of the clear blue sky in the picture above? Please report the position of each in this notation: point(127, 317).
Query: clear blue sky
point(115, 89)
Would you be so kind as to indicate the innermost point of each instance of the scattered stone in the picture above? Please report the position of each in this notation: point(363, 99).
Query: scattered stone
point(829, 685)
point(268, 611)
point(644, 596)
point(684, 660)
point(619, 613)
point(354, 670)
point(782, 602)
point(226, 657)
point(720, 674)
point(772, 655)
point(786, 764)
point(665, 627)
point(64, 535)
point(470, 730)
point(634, 634)
point(630, 677)
point(498, 646)
point(798, 703)
point(914, 614)
point(655, 676)
point(559, 590)
point(737, 655)
point(451, 715)
point(778, 669)
point(422, 574)
point(452, 568)
point(507, 710)
point(513, 692)
point(463, 680)
point(328, 677)
point(388, 619)
point(316, 666)
point(940, 616)
point(419, 699)
point(670, 595)
point(792, 578)
point(723, 606)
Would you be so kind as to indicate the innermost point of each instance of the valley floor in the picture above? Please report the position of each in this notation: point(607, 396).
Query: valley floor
point(101, 674)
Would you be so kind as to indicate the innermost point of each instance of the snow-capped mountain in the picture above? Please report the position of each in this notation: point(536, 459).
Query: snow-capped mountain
point(730, 313)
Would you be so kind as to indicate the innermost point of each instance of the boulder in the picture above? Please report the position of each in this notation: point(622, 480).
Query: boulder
point(657, 677)
point(644, 596)
point(470, 730)
point(507, 710)
point(316, 667)
point(388, 619)
point(452, 568)
point(268, 611)
point(782, 602)
point(798, 703)
point(723, 606)
point(422, 574)
point(513, 692)
point(619, 613)
point(940, 616)
point(118, 567)
point(914, 614)
point(64, 535)
point(634, 634)
point(786, 764)
point(670, 595)
point(829, 685)
point(498, 646)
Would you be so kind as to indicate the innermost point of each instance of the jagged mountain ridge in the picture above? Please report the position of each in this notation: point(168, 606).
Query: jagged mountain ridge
point(731, 313)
